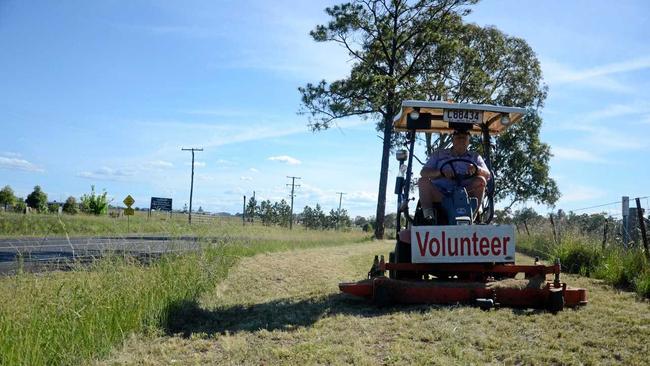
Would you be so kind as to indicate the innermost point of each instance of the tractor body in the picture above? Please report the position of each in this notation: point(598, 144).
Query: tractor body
point(458, 256)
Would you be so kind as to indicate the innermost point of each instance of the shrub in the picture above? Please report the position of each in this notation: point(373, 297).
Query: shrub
point(577, 256)
point(70, 206)
point(37, 199)
point(642, 283)
point(96, 204)
point(53, 208)
point(19, 205)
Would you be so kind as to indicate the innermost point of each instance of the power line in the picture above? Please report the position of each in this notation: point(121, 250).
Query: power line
point(192, 180)
point(293, 186)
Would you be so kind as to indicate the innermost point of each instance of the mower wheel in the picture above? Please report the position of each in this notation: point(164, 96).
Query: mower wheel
point(555, 300)
point(381, 297)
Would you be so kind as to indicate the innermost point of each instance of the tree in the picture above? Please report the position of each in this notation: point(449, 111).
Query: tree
point(360, 221)
point(314, 218)
point(251, 209)
point(7, 197)
point(421, 50)
point(70, 206)
point(37, 200)
point(266, 212)
point(282, 213)
point(96, 204)
point(387, 42)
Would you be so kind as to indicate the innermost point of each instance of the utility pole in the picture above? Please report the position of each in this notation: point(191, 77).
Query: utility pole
point(293, 186)
point(243, 213)
point(192, 181)
point(338, 214)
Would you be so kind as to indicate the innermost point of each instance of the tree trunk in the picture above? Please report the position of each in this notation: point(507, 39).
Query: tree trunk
point(383, 176)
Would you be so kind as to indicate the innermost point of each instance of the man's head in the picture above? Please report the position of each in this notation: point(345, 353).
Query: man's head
point(460, 141)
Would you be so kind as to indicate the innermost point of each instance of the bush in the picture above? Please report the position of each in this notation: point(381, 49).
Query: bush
point(20, 206)
point(96, 204)
point(642, 283)
point(37, 200)
point(620, 268)
point(578, 257)
point(70, 206)
point(53, 208)
point(7, 197)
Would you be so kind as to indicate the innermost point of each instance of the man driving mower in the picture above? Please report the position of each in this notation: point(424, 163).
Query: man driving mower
point(443, 166)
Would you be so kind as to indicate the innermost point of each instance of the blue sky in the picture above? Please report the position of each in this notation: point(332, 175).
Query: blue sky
point(107, 93)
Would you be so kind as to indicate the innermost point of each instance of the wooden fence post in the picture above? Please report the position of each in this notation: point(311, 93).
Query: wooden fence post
point(605, 234)
point(553, 226)
point(639, 213)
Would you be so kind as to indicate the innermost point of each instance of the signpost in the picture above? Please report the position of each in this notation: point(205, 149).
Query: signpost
point(128, 211)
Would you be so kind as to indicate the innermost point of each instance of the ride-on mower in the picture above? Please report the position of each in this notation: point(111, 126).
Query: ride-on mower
point(458, 256)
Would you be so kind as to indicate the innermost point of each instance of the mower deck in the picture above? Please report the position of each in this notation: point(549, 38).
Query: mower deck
point(533, 292)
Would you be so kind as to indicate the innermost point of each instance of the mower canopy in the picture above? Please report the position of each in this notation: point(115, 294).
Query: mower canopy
point(445, 117)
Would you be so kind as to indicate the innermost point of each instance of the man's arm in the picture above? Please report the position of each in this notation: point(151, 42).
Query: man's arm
point(428, 172)
point(482, 168)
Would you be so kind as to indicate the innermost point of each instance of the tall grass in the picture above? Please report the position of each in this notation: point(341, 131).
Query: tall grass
point(581, 254)
point(72, 317)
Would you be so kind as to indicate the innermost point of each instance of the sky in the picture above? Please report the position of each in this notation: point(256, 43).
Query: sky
point(106, 93)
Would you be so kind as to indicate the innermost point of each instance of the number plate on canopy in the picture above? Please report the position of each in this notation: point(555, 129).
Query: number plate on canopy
point(462, 116)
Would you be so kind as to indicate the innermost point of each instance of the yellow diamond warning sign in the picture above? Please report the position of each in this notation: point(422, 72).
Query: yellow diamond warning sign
point(128, 201)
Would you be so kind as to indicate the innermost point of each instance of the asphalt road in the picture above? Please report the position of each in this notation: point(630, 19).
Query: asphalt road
point(37, 254)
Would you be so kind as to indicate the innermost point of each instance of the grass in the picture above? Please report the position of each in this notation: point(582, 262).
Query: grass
point(285, 308)
point(583, 255)
point(73, 317)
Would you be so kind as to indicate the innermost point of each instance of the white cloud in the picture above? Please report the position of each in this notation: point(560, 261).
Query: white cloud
point(245, 178)
point(253, 170)
point(197, 164)
point(600, 77)
point(159, 164)
point(565, 153)
point(285, 159)
point(106, 173)
point(13, 161)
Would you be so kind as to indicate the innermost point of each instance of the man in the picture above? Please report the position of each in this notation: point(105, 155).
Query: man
point(432, 184)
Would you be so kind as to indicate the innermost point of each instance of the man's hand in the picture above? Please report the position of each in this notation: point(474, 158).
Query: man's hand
point(471, 170)
point(448, 173)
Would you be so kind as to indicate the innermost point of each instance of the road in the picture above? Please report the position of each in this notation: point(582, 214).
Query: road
point(46, 253)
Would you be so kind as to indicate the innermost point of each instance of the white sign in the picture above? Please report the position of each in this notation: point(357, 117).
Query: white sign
point(462, 115)
point(463, 244)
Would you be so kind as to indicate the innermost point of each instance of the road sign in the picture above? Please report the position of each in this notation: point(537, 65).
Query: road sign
point(128, 201)
point(161, 204)
point(129, 211)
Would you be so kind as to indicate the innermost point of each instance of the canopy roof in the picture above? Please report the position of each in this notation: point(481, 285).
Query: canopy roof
point(431, 117)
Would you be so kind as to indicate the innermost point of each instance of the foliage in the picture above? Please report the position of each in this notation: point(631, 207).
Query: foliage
point(19, 205)
point(96, 204)
point(70, 206)
point(53, 208)
point(7, 197)
point(423, 50)
point(314, 218)
point(37, 200)
point(360, 221)
point(521, 161)
point(252, 209)
point(388, 43)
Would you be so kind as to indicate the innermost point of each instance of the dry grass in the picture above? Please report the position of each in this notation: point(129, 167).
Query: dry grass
point(284, 308)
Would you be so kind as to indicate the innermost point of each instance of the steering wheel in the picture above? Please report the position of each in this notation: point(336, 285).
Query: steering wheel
point(459, 177)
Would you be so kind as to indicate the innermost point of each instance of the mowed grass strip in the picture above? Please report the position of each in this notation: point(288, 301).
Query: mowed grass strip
point(74, 317)
point(285, 308)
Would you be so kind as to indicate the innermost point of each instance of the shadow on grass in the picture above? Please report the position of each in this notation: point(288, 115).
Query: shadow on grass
point(188, 317)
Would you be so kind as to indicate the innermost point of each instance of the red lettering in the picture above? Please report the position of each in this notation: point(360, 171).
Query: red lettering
point(423, 249)
point(485, 246)
point(455, 251)
point(437, 251)
point(462, 248)
point(496, 246)
point(506, 239)
point(474, 240)
point(444, 252)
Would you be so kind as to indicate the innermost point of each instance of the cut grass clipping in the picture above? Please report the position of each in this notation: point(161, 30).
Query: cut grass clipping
point(71, 317)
